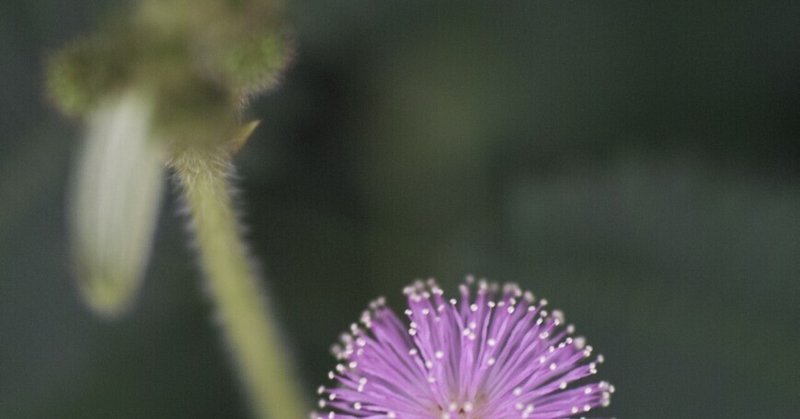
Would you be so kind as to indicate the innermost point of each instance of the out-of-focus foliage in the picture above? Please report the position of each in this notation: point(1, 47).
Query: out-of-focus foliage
point(635, 163)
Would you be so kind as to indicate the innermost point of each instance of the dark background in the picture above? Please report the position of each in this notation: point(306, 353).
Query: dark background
point(636, 163)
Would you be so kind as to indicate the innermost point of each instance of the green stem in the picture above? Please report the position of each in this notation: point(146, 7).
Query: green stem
point(250, 331)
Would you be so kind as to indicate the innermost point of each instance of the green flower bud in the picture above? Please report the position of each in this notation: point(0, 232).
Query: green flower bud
point(79, 76)
point(255, 62)
point(167, 80)
point(193, 112)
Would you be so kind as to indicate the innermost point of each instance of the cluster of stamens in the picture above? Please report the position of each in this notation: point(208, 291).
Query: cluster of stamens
point(474, 357)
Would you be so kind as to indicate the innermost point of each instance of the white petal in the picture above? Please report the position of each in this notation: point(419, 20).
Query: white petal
point(117, 188)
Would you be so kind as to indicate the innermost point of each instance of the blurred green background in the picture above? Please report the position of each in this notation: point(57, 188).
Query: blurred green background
point(636, 163)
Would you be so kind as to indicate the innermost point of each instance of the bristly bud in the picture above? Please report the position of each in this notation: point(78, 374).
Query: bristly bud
point(202, 59)
point(171, 77)
point(194, 112)
point(82, 74)
point(254, 63)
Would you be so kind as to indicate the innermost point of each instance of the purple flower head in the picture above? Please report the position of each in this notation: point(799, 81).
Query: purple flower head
point(491, 354)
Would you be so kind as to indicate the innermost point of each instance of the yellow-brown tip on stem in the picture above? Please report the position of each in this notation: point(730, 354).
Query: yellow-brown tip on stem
point(243, 135)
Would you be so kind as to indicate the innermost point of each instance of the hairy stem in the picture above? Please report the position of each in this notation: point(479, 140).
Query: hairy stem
point(256, 346)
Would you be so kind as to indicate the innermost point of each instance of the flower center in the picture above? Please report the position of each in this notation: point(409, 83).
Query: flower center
point(458, 410)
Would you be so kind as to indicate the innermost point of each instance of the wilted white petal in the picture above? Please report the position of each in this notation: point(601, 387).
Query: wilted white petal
point(117, 189)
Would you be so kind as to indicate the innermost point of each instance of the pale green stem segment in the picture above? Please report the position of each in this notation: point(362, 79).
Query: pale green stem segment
point(256, 346)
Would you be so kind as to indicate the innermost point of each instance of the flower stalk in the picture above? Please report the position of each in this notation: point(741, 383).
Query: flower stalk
point(252, 335)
